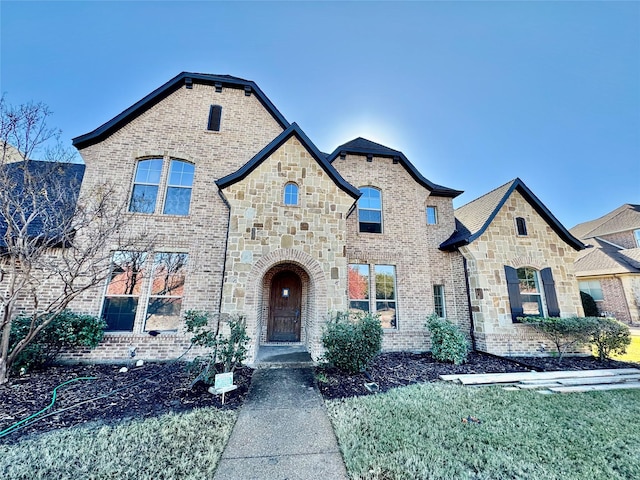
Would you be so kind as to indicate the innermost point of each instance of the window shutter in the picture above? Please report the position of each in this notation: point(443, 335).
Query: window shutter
point(513, 287)
point(550, 292)
point(215, 112)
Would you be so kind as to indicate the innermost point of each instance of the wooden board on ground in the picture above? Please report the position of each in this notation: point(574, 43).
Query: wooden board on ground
point(594, 388)
point(515, 377)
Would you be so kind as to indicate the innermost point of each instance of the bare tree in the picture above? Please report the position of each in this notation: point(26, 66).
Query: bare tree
point(54, 242)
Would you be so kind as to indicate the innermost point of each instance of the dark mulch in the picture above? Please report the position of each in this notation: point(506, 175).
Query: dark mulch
point(397, 369)
point(146, 391)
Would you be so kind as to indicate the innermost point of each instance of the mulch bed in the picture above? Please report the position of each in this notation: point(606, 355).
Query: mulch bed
point(152, 389)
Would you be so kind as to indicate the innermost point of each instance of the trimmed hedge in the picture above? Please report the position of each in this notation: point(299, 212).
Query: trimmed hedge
point(352, 343)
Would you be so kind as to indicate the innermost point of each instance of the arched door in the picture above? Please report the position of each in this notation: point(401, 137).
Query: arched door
point(284, 308)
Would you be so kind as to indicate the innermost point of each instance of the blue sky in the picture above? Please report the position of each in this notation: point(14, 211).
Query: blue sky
point(474, 93)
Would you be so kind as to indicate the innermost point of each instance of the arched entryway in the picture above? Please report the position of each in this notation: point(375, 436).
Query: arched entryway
point(285, 307)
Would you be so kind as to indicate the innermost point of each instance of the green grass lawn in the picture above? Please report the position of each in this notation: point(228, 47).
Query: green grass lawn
point(416, 432)
point(172, 446)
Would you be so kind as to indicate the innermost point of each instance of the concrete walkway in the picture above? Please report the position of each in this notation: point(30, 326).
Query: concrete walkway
point(283, 431)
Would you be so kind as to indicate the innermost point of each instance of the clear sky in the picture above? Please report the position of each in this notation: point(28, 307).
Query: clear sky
point(474, 93)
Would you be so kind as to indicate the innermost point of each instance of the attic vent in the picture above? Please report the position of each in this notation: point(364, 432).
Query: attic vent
point(521, 226)
point(369, 157)
point(188, 82)
point(215, 114)
point(218, 86)
point(247, 91)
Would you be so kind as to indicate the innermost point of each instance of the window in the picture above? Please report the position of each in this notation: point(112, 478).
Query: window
point(438, 301)
point(530, 291)
point(145, 186)
point(123, 290)
point(384, 303)
point(636, 233)
point(432, 215)
point(370, 210)
point(593, 288)
point(215, 114)
point(167, 289)
point(291, 194)
point(179, 188)
point(521, 226)
point(148, 179)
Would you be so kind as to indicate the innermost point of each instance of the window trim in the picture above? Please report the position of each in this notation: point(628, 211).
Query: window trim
point(373, 299)
point(549, 297)
point(434, 209)
point(588, 289)
point(150, 295)
point(297, 194)
point(521, 227)
point(139, 162)
point(438, 291)
point(359, 208)
point(168, 186)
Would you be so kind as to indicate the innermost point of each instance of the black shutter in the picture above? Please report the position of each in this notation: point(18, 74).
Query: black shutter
point(550, 292)
point(215, 112)
point(513, 287)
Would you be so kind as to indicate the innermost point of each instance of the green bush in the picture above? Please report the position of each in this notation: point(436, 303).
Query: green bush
point(589, 305)
point(226, 352)
point(565, 333)
point(66, 330)
point(609, 336)
point(448, 343)
point(352, 343)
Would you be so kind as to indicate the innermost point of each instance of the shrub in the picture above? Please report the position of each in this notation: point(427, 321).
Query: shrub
point(227, 352)
point(448, 343)
point(351, 343)
point(609, 336)
point(589, 305)
point(66, 330)
point(565, 333)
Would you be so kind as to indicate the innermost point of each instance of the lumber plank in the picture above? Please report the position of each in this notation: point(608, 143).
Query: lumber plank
point(593, 388)
point(514, 377)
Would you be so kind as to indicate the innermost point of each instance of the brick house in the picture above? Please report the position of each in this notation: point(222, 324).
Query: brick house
point(610, 270)
point(249, 217)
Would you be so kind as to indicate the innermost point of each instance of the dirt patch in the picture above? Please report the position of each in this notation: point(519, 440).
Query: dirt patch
point(146, 391)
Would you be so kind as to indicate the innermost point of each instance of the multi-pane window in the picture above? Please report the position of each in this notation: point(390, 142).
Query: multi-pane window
point(521, 226)
point(146, 185)
point(636, 234)
point(438, 301)
point(123, 290)
point(291, 194)
point(167, 288)
point(179, 186)
point(530, 292)
point(370, 210)
point(432, 215)
point(148, 181)
point(593, 288)
point(384, 282)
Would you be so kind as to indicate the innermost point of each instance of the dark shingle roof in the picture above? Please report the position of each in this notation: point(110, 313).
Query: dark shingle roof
point(607, 259)
point(473, 218)
point(363, 146)
point(47, 191)
point(623, 218)
point(294, 129)
point(167, 89)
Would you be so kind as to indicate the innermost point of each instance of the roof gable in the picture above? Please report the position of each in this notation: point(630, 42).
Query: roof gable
point(607, 259)
point(362, 146)
point(162, 92)
point(623, 218)
point(262, 155)
point(473, 218)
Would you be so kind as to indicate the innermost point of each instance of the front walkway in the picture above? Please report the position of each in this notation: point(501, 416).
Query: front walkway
point(283, 431)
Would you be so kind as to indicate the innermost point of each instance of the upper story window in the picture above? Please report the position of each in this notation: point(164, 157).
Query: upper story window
point(148, 182)
point(291, 194)
point(432, 215)
point(636, 233)
point(370, 210)
point(215, 116)
point(521, 226)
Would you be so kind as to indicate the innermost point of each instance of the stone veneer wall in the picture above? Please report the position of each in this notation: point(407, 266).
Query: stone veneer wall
point(264, 233)
point(175, 128)
point(409, 244)
point(498, 246)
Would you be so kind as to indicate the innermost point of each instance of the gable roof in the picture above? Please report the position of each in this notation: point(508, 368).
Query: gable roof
point(623, 218)
point(362, 146)
point(607, 259)
point(51, 194)
point(293, 130)
point(473, 218)
point(159, 94)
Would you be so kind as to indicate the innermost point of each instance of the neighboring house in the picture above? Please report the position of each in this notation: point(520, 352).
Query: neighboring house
point(610, 270)
point(249, 217)
point(519, 263)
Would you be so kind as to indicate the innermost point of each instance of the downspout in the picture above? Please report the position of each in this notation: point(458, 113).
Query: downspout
point(226, 245)
point(466, 281)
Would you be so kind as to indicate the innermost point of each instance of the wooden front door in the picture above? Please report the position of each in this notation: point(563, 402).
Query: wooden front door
point(284, 308)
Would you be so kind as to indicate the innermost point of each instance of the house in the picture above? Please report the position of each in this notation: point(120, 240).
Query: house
point(609, 271)
point(248, 217)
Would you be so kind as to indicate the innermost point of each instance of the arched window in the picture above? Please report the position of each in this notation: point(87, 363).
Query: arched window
point(145, 186)
point(370, 210)
point(291, 194)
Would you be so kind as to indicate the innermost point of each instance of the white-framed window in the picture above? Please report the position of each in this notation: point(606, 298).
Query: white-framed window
point(364, 278)
point(370, 210)
point(291, 194)
point(593, 288)
point(438, 301)
point(636, 234)
point(166, 291)
point(432, 215)
point(521, 227)
point(124, 287)
point(530, 292)
point(148, 183)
